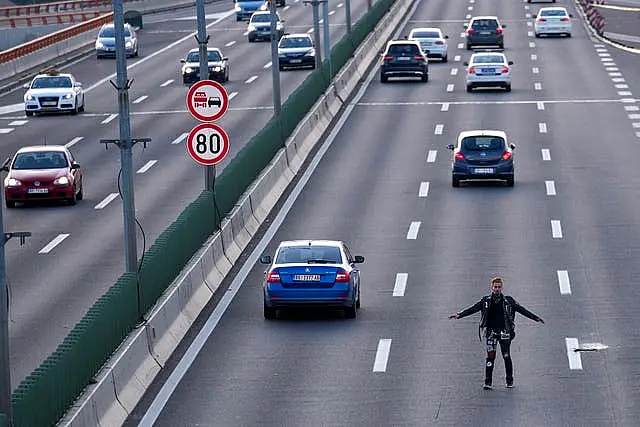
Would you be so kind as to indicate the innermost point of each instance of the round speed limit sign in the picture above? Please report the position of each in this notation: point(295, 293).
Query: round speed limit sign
point(208, 144)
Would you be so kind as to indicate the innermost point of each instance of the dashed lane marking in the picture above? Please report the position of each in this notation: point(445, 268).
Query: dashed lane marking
point(563, 282)
point(167, 83)
point(575, 360)
point(400, 285)
point(74, 141)
point(556, 229)
point(147, 166)
point(55, 242)
point(550, 187)
point(424, 189)
point(139, 100)
point(445, 107)
point(108, 119)
point(439, 129)
point(106, 201)
point(540, 105)
point(414, 228)
point(179, 139)
point(542, 127)
point(431, 157)
point(382, 355)
point(546, 154)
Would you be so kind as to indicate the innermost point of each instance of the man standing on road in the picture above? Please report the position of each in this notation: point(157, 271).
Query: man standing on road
point(498, 314)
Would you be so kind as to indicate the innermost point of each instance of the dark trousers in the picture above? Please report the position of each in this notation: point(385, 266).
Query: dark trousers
point(493, 338)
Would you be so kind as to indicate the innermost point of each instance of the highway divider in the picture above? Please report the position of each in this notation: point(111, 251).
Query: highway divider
point(617, 21)
point(57, 6)
point(102, 368)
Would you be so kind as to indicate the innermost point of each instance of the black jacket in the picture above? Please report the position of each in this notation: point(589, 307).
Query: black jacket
point(510, 306)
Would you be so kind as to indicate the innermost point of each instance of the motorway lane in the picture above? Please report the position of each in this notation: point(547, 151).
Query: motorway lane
point(45, 306)
point(308, 370)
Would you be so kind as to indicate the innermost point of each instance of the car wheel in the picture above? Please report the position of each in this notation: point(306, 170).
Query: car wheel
point(269, 312)
point(75, 109)
point(445, 58)
point(313, 66)
point(469, 46)
point(537, 35)
point(455, 182)
point(508, 88)
point(351, 312)
point(510, 182)
point(80, 194)
point(71, 201)
point(383, 78)
point(251, 39)
point(501, 45)
point(358, 299)
point(238, 19)
point(469, 88)
point(425, 78)
point(81, 109)
point(28, 113)
point(281, 68)
point(10, 204)
point(569, 35)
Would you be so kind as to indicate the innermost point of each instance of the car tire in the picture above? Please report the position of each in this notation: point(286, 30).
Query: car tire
point(71, 201)
point(238, 19)
point(28, 113)
point(251, 39)
point(445, 58)
point(358, 299)
point(425, 78)
point(469, 88)
point(568, 35)
point(455, 182)
point(469, 46)
point(313, 66)
point(383, 78)
point(270, 312)
point(80, 194)
point(511, 182)
point(351, 312)
point(507, 88)
point(10, 204)
point(537, 35)
point(281, 68)
point(501, 45)
point(75, 109)
point(81, 109)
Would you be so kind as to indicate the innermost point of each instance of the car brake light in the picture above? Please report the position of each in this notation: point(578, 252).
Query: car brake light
point(541, 20)
point(505, 69)
point(342, 276)
point(459, 156)
point(389, 58)
point(499, 31)
point(273, 277)
point(506, 155)
point(470, 30)
point(440, 43)
point(472, 70)
point(565, 19)
point(418, 58)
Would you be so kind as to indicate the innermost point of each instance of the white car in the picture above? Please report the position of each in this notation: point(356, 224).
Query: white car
point(53, 92)
point(488, 69)
point(553, 21)
point(432, 41)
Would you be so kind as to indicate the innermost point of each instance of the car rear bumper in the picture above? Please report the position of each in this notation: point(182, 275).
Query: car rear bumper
point(304, 61)
point(53, 193)
point(308, 298)
point(492, 81)
point(103, 53)
point(435, 51)
point(485, 40)
point(404, 71)
point(552, 29)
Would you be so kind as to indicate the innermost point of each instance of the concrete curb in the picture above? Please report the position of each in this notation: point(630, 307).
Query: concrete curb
point(123, 380)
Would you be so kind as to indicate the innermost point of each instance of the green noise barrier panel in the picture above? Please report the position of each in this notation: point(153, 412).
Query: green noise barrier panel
point(43, 397)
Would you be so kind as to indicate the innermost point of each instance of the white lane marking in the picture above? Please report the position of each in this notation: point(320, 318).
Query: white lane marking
point(287, 7)
point(445, 106)
point(232, 95)
point(167, 83)
point(604, 55)
point(529, 24)
point(18, 123)
point(401, 284)
point(532, 44)
point(450, 87)
point(624, 93)
point(454, 71)
point(542, 127)
point(339, 5)
point(108, 119)
point(621, 86)
point(575, 361)
point(606, 59)
point(472, 1)
point(469, 8)
point(527, 15)
point(457, 58)
point(631, 108)
point(535, 70)
point(139, 100)
point(563, 282)
point(321, 21)
point(424, 189)
point(540, 105)
point(412, 233)
point(618, 79)
point(615, 74)
point(179, 139)
point(613, 69)
point(267, 65)
point(634, 116)
point(431, 157)
point(310, 31)
point(551, 188)
point(628, 101)
point(147, 166)
point(636, 125)
point(106, 201)
point(638, 134)
point(546, 154)
point(537, 86)
point(332, 12)
point(601, 50)
point(607, 63)
point(382, 355)
point(6, 130)
point(468, 16)
point(245, 33)
point(232, 42)
point(530, 33)
point(534, 57)
point(462, 34)
point(439, 129)
point(251, 79)
point(74, 141)
point(460, 45)
point(556, 229)
point(52, 244)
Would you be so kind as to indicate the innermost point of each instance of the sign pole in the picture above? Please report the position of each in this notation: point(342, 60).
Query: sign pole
point(275, 63)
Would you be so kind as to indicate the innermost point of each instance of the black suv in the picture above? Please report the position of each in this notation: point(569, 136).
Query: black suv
point(404, 58)
point(485, 31)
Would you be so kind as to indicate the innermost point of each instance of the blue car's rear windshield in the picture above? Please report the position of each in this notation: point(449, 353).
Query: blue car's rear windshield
point(483, 143)
point(309, 254)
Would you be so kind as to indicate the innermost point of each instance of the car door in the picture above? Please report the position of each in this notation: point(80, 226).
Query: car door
point(355, 271)
point(75, 173)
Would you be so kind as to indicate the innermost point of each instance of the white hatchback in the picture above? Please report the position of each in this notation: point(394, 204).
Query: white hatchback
point(488, 69)
point(553, 21)
point(432, 41)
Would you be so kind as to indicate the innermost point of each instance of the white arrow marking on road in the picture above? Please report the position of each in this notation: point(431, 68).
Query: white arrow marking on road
point(445, 107)
point(563, 282)
point(431, 157)
point(556, 229)
point(424, 189)
point(382, 355)
point(148, 166)
point(546, 155)
point(551, 188)
point(231, 43)
point(179, 139)
point(412, 234)
point(106, 201)
point(108, 119)
point(139, 100)
point(450, 87)
point(400, 285)
point(74, 141)
point(542, 127)
point(267, 65)
point(167, 83)
point(251, 79)
point(18, 123)
point(438, 130)
point(55, 242)
point(575, 362)
point(540, 105)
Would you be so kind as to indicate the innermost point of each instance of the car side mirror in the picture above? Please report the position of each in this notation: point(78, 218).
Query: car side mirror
point(358, 259)
point(465, 25)
point(465, 63)
point(504, 25)
point(26, 86)
point(226, 58)
point(571, 15)
point(446, 37)
point(450, 146)
point(75, 165)
point(183, 61)
point(5, 165)
point(510, 62)
point(265, 259)
point(77, 84)
point(512, 146)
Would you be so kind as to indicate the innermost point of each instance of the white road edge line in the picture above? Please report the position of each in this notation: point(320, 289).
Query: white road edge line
point(575, 361)
point(382, 355)
point(414, 228)
point(556, 229)
point(55, 242)
point(106, 201)
point(147, 166)
point(400, 285)
point(424, 189)
point(563, 282)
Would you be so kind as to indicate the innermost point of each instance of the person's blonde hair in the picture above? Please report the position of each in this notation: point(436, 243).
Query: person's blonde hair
point(497, 279)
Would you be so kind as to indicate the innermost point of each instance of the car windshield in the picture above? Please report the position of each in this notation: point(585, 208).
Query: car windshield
point(291, 42)
point(485, 23)
point(51, 82)
point(213, 56)
point(110, 33)
point(488, 59)
point(261, 17)
point(482, 143)
point(309, 255)
point(554, 12)
point(40, 160)
point(426, 35)
point(403, 50)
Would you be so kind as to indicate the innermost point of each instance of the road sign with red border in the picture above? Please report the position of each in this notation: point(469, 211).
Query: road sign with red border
point(208, 144)
point(207, 100)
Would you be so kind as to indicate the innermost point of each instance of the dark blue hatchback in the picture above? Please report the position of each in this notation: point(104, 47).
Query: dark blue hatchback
point(312, 273)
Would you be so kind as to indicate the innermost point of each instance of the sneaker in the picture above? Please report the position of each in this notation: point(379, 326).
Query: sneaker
point(510, 385)
point(487, 386)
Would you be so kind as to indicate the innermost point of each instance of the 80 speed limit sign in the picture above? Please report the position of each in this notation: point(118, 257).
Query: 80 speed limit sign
point(208, 144)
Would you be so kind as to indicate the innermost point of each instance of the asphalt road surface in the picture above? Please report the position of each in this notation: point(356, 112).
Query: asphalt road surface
point(565, 238)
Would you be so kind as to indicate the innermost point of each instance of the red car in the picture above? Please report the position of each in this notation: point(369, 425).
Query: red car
point(43, 172)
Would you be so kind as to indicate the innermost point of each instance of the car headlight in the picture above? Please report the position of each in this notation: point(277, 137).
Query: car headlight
point(99, 44)
point(28, 97)
point(264, 7)
point(128, 44)
point(312, 52)
point(216, 69)
point(188, 70)
point(238, 8)
point(251, 27)
point(63, 180)
point(12, 182)
point(67, 96)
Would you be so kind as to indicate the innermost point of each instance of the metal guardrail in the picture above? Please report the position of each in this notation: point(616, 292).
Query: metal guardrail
point(49, 19)
point(62, 6)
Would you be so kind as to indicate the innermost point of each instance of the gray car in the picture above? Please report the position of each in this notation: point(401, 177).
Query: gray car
point(106, 41)
point(485, 31)
point(259, 27)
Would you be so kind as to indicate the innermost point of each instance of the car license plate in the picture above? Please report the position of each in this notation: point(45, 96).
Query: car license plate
point(404, 58)
point(485, 33)
point(37, 190)
point(483, 171)
point(49, 103)
point(306, 277)
point(296, 61)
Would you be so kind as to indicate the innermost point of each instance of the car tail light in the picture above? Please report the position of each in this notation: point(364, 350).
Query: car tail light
point(419, 58)
point(541, 20)
point(499, 31)
point(506, 155)
point(389, 58)
point(472, 70)
point(565, 19)
point(505, 69)
point(469, 31)
point(273, 277)
point(342, 276)
point(440, 43)
point(459, 156)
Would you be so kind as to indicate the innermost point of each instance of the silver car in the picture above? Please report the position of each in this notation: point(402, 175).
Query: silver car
point(106, 41)
point(432, 41)
point(553, 21)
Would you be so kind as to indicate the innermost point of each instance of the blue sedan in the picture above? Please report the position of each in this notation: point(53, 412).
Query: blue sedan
point(312, 273)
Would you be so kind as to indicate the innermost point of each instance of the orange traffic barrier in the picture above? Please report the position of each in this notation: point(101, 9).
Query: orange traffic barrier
point(58, 18)
point(61, 6)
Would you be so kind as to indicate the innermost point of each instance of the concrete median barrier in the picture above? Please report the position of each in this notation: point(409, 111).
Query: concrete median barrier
point(231, 248)
point(223, 265)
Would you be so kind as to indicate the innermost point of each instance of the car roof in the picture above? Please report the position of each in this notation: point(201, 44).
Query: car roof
point(477, 54)
point(209, 49)
point(484, 17)
point(54, 75)
point(261, 12)
point(426, 29)
point(297, 35)
point(480, 132)
point(403, 41)
point(41, 148)
point(336, 243)
point(564, 9)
